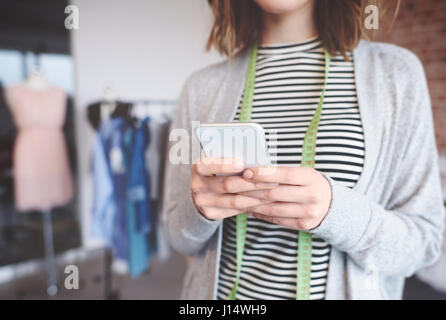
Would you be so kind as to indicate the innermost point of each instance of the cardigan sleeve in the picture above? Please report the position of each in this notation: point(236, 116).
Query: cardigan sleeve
point(187, 230)
point(405, 234)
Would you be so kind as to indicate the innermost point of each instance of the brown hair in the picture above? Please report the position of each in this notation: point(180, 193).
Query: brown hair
point(340, 24)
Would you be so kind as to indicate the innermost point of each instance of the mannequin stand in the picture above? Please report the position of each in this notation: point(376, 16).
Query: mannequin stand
point(49, 254)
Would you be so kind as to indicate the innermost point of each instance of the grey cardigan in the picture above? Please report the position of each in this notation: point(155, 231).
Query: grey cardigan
point(384, 229)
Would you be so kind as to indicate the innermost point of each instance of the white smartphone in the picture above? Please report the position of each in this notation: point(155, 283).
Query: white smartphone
point(241, 140)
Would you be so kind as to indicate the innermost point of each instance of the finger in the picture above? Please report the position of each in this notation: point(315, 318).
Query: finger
point(283, 175)
point(291, 223)
point(219, 213)
point(281, 210)
point(227, 201)
point(285, 193)
point(213, 166)
point(231, 184)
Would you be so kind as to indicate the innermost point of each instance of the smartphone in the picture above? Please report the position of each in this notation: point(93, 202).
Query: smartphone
point(242, 140)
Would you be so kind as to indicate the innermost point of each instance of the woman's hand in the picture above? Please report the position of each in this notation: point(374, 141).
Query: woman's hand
point(301, 201)
point(217, 197)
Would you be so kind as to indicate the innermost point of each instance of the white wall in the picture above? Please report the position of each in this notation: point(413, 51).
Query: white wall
point(144, 48)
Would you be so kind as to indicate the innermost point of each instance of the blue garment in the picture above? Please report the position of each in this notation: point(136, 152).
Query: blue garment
point(139, 182)
point(118, 165)
point(104, 209)
point(123, 215)
point(110, 184)
point(139, 219)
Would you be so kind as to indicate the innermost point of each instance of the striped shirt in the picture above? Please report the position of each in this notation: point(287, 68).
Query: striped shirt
point(289, 80)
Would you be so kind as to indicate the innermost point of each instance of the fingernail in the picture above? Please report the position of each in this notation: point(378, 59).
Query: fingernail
point(239, 165)
point(248, 174)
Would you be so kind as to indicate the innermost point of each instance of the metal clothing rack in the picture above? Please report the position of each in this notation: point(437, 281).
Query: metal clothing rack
point(156, 101)
point(166, 105)
point(148, 102)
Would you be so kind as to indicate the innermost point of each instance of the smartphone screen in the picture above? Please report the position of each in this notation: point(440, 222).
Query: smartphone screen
point(244, 141)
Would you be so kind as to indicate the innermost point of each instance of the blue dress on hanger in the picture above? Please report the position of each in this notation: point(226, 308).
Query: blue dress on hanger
point(122, 214)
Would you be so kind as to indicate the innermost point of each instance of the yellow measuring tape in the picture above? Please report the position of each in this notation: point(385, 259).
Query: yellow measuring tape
point(307, 160)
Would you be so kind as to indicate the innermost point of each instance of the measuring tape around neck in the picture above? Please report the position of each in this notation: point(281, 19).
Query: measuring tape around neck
point(307, 160)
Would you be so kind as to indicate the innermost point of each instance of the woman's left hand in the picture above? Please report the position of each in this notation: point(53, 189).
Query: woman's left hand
point(301, 201)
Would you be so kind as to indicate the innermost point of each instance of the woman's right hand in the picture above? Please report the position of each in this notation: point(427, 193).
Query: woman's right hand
point(216, 196)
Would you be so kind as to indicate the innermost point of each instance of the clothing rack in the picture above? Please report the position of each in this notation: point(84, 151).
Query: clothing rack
point(160, 107)
point(149, 102)
point(156, 101)
point(163, 108)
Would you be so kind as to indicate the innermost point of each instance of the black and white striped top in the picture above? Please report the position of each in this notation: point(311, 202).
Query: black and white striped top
point(289, 80)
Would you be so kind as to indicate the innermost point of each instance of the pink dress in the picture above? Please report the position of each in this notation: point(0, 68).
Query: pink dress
point(42, 174)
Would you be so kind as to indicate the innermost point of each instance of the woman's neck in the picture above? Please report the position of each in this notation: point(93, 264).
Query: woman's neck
point(295, 26)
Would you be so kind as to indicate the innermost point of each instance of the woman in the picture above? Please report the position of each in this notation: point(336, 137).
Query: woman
point(369, 204)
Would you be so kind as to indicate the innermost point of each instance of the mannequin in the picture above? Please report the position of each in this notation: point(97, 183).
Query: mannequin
point(39, 111)
point(36, 81)
point(42, 176)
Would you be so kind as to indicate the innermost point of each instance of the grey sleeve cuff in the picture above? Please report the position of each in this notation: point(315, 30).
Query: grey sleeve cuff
point(193, 225)
point(347, 218)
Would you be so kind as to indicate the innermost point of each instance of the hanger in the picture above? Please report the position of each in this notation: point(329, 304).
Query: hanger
point(108, 104)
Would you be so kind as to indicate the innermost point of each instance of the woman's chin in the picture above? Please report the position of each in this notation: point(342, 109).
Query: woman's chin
point(281, 6)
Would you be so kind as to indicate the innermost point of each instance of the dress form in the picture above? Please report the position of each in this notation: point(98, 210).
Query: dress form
point(41, 169)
